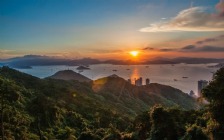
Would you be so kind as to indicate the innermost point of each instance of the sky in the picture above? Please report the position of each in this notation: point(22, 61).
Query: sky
point(110, 29)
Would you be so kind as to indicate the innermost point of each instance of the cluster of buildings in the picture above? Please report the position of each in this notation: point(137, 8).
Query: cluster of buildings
point(201, 85)
point(138, 82)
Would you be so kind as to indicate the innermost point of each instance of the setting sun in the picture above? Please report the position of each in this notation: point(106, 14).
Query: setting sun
point(134, 53)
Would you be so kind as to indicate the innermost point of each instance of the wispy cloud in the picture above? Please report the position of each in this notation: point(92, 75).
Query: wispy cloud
point(220, 8)
point(7, 53)
point(208, 40)
point(148, 48)
point(160, 50)
point(167, 50)
point(190, 48)
point(105, 51)
point(193, 48)
point(192, 19)
point(4, 51)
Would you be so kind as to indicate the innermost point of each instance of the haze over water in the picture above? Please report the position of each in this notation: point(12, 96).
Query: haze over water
point(163, 74)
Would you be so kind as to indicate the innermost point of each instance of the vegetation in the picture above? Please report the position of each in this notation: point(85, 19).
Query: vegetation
point(42, 109)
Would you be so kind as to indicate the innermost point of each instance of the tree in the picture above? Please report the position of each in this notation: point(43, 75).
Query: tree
point(194, 132)
point(2, 107)
point(214, 94)
point(88, 136)
point(3, 91)
point(163, 125)
point(143, 125)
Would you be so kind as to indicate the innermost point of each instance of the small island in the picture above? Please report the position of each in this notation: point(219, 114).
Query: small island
point(83, 68)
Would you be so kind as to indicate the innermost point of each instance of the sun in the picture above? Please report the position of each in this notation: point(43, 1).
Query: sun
point(134, 53)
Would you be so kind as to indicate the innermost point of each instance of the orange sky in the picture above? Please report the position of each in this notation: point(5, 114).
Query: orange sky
point(111, 29)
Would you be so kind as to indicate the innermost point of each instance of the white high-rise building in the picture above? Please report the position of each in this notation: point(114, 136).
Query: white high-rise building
point(201, 85)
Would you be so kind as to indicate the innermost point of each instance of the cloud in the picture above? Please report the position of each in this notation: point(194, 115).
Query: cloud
point(105, 51)
point(148, 48)
point(192, 19)
point(221, 36)
point(160, 50)
point(7, 53)
point(210, 49)
point(189, 47)
point(166, 50)
point(193, 48)
point(220, 8)
point(208, 40)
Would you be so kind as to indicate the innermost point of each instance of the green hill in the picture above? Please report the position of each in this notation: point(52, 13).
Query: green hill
point(120, 91)
point(36, 108)
point(69, 75)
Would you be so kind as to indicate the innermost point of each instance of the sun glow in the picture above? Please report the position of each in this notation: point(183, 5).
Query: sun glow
point(134, 53)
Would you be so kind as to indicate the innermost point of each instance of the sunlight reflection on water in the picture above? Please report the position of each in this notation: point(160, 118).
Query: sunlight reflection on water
point(134, 75)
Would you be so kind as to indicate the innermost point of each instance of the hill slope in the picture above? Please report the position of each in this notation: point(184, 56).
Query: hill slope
point(69, 75)
point(56, 109)
point(125, 93)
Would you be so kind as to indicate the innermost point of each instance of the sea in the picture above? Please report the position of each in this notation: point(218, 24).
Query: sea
point(181, 76)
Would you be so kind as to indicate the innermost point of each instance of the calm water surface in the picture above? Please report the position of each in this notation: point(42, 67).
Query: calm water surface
point(164, 74)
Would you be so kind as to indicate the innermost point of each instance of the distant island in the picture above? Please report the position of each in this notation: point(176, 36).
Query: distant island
point(83, 68)
point(28, 61)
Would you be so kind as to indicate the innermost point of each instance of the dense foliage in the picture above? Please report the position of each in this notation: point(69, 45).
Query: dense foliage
point(33, 108)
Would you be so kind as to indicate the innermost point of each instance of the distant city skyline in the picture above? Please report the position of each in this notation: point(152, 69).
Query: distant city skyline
point(111, 29)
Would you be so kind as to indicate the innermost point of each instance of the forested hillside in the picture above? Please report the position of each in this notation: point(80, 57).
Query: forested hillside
point(108, 108)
